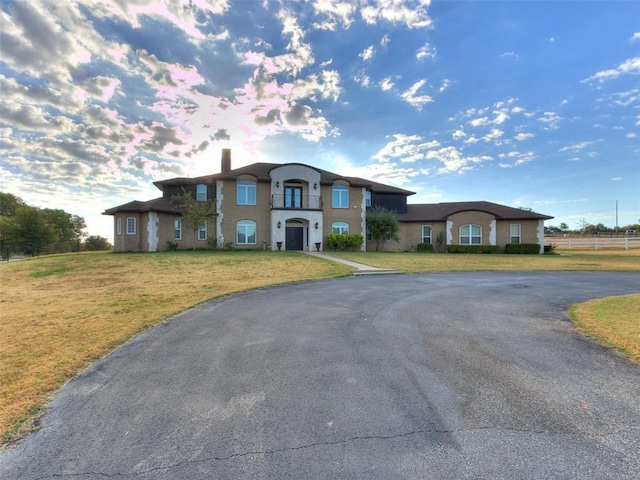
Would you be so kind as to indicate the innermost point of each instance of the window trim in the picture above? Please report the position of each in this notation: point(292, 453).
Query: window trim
point(430, 236)
point(245, 186)
point(470, 236)
point(343, 196)
point(201, 192)
point(177, 228)
point(119, 226)
point(245, 224)
point(342, 226)
point(131, 221)
point(518, 236)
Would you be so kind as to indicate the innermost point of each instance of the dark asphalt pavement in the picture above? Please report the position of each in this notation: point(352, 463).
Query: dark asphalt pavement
point(440, 376)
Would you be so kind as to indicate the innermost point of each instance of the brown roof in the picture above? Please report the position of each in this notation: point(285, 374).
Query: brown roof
point(161, 205)
point(433, 212)
point(261, 172)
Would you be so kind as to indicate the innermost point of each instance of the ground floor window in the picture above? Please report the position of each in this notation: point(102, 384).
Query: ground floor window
point(369, 235)
point(470, 235)
point(177, 229)
point(426, 234)
point(119, 226)
point(515, 232)
point(202, 231)
point(131, 226)
point(340, 228)
point(246, 232)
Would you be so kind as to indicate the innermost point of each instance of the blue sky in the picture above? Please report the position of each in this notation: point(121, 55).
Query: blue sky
point(530, 104)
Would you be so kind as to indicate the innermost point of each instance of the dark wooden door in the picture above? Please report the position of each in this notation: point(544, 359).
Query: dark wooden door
point(294, 239)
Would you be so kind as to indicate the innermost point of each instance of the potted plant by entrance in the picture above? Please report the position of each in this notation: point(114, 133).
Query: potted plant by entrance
point(318, 246)
point(279, 245)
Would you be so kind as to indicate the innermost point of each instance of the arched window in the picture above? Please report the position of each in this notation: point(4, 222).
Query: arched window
point(246, 192)
point(246, 232)
point(470, 235)
point(201, 193)
point(340, 228)
point(340, 197)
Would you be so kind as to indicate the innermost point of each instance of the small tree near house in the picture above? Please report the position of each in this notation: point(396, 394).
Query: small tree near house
point(194, 212)
point(383, 226)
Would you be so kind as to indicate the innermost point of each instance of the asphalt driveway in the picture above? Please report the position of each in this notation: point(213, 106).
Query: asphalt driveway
point(440, 376)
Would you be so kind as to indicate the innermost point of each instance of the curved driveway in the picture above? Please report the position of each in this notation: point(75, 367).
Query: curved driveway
point(443, 376)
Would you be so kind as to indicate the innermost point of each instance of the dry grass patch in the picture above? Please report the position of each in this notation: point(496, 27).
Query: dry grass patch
point(433, 262)
point(612, 321)
point(60, 313)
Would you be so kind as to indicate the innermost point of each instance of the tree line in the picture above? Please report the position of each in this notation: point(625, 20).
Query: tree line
point(29, 230)
point(589, 228)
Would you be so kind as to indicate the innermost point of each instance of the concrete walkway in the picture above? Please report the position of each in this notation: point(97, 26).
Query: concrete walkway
point(360, 269)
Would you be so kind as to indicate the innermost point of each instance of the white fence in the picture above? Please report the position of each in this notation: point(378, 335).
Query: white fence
point(593, 241)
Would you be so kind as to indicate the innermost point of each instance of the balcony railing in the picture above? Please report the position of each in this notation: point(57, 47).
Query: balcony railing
point(296, 202)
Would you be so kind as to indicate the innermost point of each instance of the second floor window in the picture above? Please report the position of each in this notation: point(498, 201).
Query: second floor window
point(246, 193)
point(367, 198)
point(340, 197)
point(201, 193)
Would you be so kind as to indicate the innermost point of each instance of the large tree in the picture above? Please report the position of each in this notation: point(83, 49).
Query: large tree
point(194, 212)
point(29, 231)
point(69, 229)
point(382, 225)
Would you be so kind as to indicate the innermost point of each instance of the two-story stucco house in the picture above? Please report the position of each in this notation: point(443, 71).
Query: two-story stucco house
point(294, 207)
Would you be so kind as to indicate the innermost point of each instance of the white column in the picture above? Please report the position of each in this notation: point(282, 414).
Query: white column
point(152, 232)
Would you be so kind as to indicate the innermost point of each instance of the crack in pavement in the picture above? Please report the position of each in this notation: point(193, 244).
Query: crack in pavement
point(338, 442)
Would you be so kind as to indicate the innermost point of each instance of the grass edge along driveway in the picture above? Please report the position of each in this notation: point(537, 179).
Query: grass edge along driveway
point(61, 313)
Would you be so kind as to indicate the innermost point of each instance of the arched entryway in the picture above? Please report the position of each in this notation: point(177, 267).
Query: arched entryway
point(295, 235)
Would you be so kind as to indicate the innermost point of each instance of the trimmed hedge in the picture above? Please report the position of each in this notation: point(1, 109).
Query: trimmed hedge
point(522, 248)
point(473, 249)
point(424, 248)
point(337, 241)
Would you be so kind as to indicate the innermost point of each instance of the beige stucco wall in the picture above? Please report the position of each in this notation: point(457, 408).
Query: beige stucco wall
point(484, 220)
point(259, 213)
point(351, 215)
point(528, 231)
point(124, 242)
point(166, 233)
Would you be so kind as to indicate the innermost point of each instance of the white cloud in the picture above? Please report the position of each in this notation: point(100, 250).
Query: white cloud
point(550, 120)
point(578, 146)
point(493, 135)
point(385, 40)
point(386, 84)
point(615, 179)
point(513, 55)
point(635, 36)
point(631, 135)
point(445, 84)
point(479, 122)
point(367, 53)
point(523, 136)
point(630, 66)
point(405, 148)
point(426, 51)
point(459, 133)
point(335, 12)
point(413, 15)
point(412, 98)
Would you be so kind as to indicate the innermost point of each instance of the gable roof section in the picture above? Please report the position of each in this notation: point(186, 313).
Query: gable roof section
point(439, 212)
point(261, 171)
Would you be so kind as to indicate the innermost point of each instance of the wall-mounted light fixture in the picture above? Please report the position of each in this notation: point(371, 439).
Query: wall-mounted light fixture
point(317, 225)
point(277, 184)
point(315, 186)
point(279, 224)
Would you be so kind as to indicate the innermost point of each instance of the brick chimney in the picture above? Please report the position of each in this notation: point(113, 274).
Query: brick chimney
point(225, 161)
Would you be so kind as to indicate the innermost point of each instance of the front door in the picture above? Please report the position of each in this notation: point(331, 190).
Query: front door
point(294, 239)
